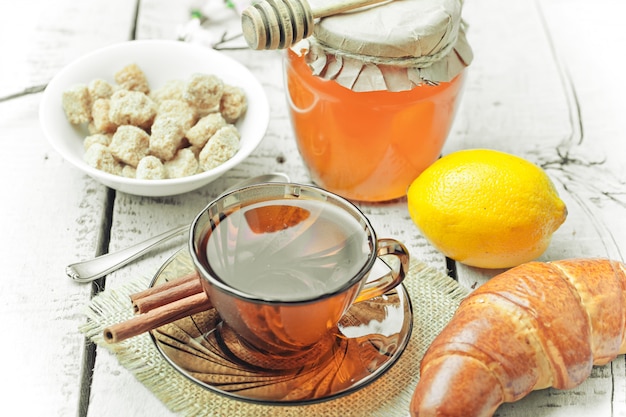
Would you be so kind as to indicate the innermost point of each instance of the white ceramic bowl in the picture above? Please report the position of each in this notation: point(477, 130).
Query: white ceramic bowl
point(161, 61)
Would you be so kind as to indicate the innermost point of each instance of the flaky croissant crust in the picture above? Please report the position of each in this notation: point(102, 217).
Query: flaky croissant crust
point(534, 326)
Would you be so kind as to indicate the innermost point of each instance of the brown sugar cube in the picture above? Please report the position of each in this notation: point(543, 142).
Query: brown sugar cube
point(171, 90)
point(183, 164)
point(131, 108)
point(76, 103)
point(100, 157)
point(131, 77)
point(129, 171)
point(166, 138)
point(206, 127)
point(220, 148)
point(100, 114)
point(100, 88)
point(196, 151)
point(100, 138)
point(204, 92)
point(129, 144)
point(180, 110)
point(91, 128)
point(150, 168)
point(233, 103)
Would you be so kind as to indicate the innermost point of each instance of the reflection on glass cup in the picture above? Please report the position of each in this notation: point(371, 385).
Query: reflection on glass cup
point(283, 262)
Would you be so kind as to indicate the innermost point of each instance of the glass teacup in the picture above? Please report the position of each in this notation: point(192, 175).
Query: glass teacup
point(283, 262)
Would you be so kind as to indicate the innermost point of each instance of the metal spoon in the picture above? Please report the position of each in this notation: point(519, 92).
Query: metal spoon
point(92, 269)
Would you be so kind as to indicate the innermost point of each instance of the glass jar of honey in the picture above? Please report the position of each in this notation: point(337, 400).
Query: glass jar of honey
point(373, 93)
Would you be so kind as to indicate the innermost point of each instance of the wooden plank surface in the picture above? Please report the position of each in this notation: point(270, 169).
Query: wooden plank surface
point(544, 85)
point(51, 214)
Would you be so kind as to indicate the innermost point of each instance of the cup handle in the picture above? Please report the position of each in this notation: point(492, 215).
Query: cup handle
point(391, 279)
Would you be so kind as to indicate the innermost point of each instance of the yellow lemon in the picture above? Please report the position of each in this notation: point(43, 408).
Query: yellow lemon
point(486, 208)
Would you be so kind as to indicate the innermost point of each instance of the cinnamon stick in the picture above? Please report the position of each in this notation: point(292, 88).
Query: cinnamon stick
point(166, 293)
point(164, 287)
point(157, 317)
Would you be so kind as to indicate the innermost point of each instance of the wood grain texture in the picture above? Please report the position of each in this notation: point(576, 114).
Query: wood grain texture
point(49, 214)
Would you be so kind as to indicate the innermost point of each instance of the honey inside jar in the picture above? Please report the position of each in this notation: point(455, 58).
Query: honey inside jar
point(367, 146)
point(373, 94)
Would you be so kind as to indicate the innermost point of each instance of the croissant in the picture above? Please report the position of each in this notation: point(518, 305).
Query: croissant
point(534, 326)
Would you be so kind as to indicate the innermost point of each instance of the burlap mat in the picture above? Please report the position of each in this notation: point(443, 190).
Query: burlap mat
point(434, 297)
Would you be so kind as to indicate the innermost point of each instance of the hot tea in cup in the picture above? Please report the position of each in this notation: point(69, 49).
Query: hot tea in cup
point(283, 262)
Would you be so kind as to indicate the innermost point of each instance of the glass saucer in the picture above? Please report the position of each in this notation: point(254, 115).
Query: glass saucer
point(367, 342)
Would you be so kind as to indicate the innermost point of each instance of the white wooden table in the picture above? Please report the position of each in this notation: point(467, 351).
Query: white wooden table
point(546, 84)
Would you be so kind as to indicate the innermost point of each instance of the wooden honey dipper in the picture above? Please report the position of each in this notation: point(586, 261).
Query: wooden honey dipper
point(278, 24)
